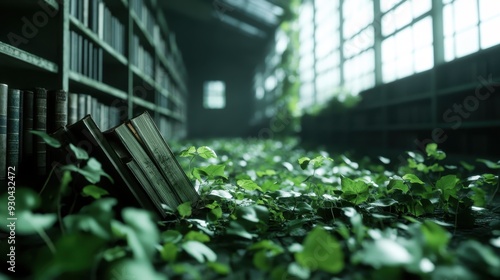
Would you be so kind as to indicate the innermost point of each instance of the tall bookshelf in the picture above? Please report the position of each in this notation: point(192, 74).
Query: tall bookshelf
point(121, 52)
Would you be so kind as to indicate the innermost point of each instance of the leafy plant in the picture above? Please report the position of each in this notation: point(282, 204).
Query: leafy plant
point(272, 210)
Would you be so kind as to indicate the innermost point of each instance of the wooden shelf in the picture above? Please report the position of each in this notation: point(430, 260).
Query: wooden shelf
point(28, 58)
point(146, 104)
point(143, 76)
point(90, 34)
point(76, 77)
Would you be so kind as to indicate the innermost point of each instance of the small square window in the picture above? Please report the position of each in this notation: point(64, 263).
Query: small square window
point(214, 95)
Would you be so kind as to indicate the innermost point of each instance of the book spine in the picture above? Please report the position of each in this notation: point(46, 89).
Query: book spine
point(3, 130)
point(27, 126)
point(40, 124)
point(57, 108)
point(81, 106)
point(72, 108)
point(13, 127)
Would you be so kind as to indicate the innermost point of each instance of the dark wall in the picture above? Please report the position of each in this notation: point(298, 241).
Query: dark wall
point(231, 121)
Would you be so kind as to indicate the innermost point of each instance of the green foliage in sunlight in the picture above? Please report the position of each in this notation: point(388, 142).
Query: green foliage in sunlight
point(271, 210)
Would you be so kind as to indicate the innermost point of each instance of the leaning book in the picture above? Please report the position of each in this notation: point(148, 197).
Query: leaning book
point(136, 156)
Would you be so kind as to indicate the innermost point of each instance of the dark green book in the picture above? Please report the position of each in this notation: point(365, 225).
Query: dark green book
point(85, 133)
point(124, 135)
point(27, 137)
point(40, 124)
point(13, 128)
point(163, 157)
point(3, 130)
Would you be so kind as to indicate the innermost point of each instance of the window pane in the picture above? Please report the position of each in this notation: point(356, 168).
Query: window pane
point(422, 32)
point(420, 7)
point(465, 14)
point(424, 59)
point(489, 9)
point(448, 25)
point(214, 95)
point(467, 42)
point(388, 23)
point(389, 49)
point(490, 35)
point(403, 14)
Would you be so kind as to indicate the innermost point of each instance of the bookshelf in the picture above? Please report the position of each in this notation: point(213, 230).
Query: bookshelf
point(119, 52)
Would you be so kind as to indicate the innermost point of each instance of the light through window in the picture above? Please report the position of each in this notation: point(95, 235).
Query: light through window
point(214, 96)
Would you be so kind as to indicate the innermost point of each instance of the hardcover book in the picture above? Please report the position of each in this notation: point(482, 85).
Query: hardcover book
point(13, 127)
point(40, 124)
point(137, 157)
point(3, 130)
point(85, 133)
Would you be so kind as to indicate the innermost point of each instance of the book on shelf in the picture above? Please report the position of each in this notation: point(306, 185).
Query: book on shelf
point(137, 157)
point(3, 130)
point(13, 127)
point(27, 156)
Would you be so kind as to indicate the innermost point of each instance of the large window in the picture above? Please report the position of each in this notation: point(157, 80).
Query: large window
point(407, 38)
point(470, 25)
point(214, 95)
point(356, 44)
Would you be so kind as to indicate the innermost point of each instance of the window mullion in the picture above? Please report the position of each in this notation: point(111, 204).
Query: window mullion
point(437, 31)
point(377, 29)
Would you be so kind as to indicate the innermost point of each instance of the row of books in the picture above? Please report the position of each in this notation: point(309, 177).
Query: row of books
point(95, 15)
point(143, 13)
point(134, 153)
point(141, 58)
point(86, 58)
point(22, 111)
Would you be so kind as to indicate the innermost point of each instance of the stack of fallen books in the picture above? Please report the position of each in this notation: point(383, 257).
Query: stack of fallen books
point(136, 156)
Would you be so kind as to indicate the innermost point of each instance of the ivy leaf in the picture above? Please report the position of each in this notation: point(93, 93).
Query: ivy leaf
point(142, 235)
point(355, 191)
point(468, 167)
point(236, 229)
point(412, 178)
point(248, 185)
point(447, 185)
point(79, 152)
point(29, 222)
point(395, 184)
point(262, 261)
point(206, 152)
point(353, 186)
point(213, 171)
point(49, 140)
point(304, 162)
point(436, 238)
point(168, 252)
point(490, 164)
point(384, 252)
point(219, 268)
point(318, 161)
point(432, 151)
point(321, 251)
point(171, 236)
point(184, 209)
point(189, 152)
point(199, 251)
point(197, 236)
point(94, 191)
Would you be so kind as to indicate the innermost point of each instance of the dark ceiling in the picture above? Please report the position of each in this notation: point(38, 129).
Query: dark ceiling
point(208, 31)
